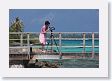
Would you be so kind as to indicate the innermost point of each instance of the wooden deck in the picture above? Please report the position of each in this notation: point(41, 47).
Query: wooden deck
point(52, 56)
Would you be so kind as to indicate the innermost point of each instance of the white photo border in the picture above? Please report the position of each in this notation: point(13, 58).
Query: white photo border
point(102, 71)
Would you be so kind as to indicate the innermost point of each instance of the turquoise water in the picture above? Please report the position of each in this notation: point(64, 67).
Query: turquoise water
point(77, 43)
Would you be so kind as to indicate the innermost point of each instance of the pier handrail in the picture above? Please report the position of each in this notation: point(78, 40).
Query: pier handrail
point(60, 38)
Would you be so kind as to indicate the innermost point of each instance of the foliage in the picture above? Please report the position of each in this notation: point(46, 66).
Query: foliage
point(16, 26)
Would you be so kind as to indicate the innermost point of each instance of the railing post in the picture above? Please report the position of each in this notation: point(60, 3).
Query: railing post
point(84, 35)
point(21, 38)
point(92, 45)
point(60, 54)
point(28, 45)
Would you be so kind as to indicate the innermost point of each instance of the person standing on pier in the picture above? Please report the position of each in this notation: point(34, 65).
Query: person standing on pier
point(42, 36)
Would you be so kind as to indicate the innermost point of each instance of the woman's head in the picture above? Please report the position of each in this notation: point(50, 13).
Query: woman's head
point(47, 23)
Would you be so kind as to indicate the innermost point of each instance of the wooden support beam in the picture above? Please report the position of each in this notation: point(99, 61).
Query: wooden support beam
point(60, 54)
point(21, 38)
point(28, 44)
point(84, 36)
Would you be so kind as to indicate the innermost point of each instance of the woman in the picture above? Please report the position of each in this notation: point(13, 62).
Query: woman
point(42, 36)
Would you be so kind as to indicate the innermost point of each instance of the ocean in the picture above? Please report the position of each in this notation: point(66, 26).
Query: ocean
point(76, 43)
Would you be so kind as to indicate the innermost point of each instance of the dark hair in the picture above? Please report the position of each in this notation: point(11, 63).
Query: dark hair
point(47, 22)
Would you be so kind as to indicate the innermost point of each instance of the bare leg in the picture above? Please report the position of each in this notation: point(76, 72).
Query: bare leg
point(43, 46)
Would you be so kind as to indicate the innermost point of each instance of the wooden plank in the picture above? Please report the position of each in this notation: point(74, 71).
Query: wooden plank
point(47, 32)
point(18, 58)
point(46, 57)
point(46, 46)
point(32, 61)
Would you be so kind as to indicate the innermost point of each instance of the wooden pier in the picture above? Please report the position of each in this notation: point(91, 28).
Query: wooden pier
point(26, 51)
point(53, 56)
point(26, 36)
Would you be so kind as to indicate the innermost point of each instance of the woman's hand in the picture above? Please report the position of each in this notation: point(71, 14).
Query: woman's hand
point(47, 29)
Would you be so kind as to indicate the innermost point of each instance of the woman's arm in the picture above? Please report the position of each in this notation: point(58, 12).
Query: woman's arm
point(45, 29)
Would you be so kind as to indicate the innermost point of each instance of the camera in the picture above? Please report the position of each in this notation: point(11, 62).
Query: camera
point(51, 28)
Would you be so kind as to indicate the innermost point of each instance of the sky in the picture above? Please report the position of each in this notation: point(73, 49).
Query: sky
point(64, 20)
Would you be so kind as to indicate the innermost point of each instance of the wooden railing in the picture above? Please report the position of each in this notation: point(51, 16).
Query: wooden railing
point(60, 37)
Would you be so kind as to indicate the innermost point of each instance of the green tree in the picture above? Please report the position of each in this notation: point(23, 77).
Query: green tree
point(16, 26)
